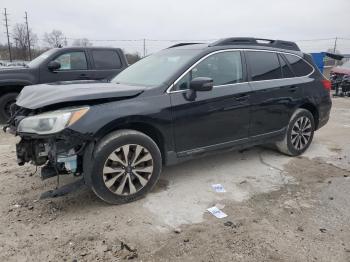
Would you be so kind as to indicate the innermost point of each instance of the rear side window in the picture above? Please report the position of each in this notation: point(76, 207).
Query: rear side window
point(263, 65)
point(299, 66)
point(106, 59)
point(285, 68)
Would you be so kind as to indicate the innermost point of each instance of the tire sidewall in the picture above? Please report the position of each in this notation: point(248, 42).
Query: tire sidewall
point(299, 113)
point(4, 99)
point(105, 148)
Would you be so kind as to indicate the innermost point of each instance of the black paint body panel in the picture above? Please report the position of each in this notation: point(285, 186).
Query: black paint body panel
point(231, 116)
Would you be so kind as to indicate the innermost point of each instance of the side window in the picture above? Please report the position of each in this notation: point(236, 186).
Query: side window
point(106, 59)
point(264, 65)
point(285, 68)
point(224, 68)
point(72, 61)
point(299, 66)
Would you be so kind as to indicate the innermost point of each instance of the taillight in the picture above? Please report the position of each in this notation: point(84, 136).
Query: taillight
point(327, 84)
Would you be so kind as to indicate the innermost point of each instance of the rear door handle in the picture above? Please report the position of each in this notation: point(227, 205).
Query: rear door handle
point(292, 88)
point(242, 98)
point(83, 76)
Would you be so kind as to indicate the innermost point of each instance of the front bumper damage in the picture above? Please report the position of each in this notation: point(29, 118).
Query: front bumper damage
point(57, 154)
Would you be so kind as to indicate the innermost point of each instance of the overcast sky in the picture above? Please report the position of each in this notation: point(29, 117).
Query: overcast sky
point(186, 20)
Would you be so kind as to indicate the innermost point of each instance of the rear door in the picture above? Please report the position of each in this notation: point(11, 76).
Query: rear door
point(213, 118)
point(106, 63)
point(74, 66)
point(275, 92)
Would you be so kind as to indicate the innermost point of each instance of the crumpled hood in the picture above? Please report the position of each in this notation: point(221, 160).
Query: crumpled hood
point(37, 96)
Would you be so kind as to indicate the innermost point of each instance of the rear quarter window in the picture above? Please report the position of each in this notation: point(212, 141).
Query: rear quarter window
point(106, 59)
point(286, 71)
point(263, 65)
point(299, 66)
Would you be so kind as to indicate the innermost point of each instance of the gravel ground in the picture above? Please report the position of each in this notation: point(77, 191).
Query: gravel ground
point(279, 209)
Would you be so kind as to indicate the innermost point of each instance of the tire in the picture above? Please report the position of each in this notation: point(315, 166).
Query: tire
point(289, 145)
point(117, 181)
point(5, 102)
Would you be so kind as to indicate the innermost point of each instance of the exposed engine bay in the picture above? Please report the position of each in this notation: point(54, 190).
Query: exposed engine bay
point(57, 154)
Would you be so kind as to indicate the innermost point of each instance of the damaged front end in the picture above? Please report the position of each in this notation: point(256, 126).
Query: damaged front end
point(47, 140)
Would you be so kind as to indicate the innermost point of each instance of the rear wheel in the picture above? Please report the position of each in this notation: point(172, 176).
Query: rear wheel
point(127, 165)
point(6, 101)
point(299, 133)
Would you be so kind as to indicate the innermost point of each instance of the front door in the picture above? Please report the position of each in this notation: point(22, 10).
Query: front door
point(74, 66)
point(213, 118)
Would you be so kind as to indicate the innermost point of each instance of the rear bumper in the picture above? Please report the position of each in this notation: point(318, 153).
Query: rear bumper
point(324, 112)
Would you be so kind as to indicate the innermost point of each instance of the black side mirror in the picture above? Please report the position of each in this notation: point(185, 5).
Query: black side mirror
point(54, 65)
point(201, 84)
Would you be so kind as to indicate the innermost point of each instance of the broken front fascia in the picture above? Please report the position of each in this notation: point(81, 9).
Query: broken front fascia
point(47, 140)
point(61, 153)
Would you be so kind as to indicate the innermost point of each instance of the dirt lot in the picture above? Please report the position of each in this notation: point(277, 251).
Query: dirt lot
point(279, 209)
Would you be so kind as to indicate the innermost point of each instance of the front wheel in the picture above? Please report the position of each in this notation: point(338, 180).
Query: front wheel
point(299, 133)
point(126, 166)
point(6, 101)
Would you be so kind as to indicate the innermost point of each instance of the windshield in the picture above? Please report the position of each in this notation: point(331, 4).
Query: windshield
point(156, 69)
point(346, 64)
point(37, 61)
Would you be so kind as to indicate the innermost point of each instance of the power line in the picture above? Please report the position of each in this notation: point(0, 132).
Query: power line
point(145, 45)
point(316, 39)
point(188, 40)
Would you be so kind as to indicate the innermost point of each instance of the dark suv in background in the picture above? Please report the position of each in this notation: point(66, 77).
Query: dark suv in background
point(59, 64)
point(182, 102)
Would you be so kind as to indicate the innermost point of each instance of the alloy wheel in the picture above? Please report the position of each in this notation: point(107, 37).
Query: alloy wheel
point(301, 133)
point(128, 169)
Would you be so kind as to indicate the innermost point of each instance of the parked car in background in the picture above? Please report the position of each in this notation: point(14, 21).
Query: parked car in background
point(3, 63)
point(59, 64)
point(17, 64)
point(183, 102)
point(340, 78)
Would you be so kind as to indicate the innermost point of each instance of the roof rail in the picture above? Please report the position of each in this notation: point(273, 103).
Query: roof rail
point(257, 41)
point(183, 44)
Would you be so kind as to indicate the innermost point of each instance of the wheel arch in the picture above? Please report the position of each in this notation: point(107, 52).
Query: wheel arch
point(313, 110)
point(11, 88)
point(145, 127)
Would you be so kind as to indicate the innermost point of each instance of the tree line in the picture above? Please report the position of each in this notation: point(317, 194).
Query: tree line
point(56, 38)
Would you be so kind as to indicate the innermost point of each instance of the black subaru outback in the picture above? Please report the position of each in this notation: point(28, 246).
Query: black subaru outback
point(182, 102)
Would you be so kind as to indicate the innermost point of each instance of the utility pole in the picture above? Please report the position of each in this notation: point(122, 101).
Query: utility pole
point(8, 36)
point(335, 48)
point(144, 47)
point(28, 38)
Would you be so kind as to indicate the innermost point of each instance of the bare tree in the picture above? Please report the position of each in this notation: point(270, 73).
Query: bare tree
point(20, 40)
point(55, 39)
point(132, 58)
point(82, 42)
